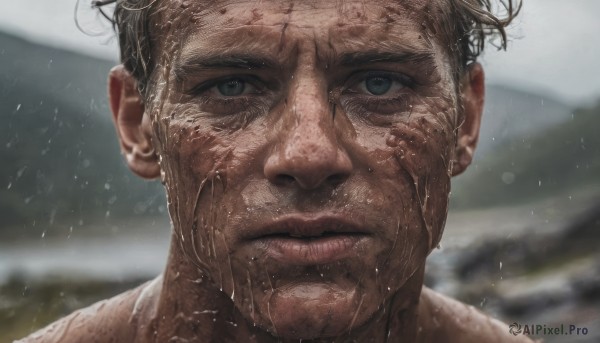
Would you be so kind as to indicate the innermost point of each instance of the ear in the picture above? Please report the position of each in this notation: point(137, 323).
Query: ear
point(133, 126)
point(472, 94)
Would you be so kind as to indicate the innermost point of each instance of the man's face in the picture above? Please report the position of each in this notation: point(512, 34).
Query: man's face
point(306, 149)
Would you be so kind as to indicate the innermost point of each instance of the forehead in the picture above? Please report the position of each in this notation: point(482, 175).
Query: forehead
point(281, 27)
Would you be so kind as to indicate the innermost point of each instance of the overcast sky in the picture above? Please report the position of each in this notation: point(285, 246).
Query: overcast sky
point(555, 44)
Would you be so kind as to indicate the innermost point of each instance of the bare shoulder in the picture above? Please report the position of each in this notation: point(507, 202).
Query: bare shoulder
point(111, 320)
point(449, 320)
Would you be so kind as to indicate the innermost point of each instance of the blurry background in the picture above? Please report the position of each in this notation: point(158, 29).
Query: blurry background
point(523, 232)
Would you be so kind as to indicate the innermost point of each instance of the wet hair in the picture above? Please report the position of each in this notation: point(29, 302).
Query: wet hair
point(471, 23)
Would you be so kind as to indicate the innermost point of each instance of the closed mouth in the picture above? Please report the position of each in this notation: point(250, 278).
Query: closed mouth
point(324, 234)
point(301, 240)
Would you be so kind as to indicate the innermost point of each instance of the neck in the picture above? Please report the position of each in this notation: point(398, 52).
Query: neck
point(192, 308)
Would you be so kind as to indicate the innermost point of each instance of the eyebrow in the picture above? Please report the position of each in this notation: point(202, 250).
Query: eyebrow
point(352, 59)
point(197, 63)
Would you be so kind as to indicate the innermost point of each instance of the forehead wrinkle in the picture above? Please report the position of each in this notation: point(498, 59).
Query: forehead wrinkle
point(348, 39)
point(242, 40)
point(337, 34)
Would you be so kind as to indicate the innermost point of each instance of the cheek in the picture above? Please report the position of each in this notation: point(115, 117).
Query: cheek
point(422, 152)
point(206, 172)
point(409, 183)
point(194, 162)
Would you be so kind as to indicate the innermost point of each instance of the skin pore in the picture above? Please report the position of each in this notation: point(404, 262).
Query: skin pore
point(267, 120)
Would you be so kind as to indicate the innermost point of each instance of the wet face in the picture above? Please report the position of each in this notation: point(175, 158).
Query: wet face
point(306, 149)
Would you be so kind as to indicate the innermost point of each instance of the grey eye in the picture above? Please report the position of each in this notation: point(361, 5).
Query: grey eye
point(232, 87)
point(378, 85)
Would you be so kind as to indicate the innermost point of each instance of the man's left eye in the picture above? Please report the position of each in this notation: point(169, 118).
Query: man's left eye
point(232, 87)
point(379, 85)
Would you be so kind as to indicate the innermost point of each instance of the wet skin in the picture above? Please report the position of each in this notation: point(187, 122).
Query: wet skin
point(305, 143)
point(306, 149)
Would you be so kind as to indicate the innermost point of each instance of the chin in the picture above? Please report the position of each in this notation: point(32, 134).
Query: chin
point(313, 310)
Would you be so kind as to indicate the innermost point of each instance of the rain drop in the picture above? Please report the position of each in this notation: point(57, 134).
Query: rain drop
point(508, 178)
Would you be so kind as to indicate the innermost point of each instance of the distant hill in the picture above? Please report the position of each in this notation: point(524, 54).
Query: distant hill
point(58, 150)
point(562, 157)
point(511, 112)
point(60, 158)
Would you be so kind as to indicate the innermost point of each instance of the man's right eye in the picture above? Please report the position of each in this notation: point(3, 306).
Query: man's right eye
point(378, 85)
point(241, 98)
point(230, 87)
point(233, 87)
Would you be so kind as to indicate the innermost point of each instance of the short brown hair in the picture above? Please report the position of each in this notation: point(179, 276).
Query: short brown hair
point(474, 24)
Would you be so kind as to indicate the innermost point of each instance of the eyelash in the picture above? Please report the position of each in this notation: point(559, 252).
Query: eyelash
point(228, 106)
point(207, 85)
point(403, 79)
point(376, 107)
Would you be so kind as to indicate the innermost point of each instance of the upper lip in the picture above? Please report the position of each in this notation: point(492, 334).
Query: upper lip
point(305, 226)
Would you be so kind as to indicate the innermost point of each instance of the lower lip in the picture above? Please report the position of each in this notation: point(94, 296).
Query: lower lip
point(321, 250)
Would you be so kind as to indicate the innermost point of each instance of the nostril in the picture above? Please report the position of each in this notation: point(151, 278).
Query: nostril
point(336, 179)
point(284, 179)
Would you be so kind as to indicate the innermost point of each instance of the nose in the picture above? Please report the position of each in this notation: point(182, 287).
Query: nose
point(309, 153)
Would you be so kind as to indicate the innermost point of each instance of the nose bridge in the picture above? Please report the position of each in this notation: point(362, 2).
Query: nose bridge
point(309, 152)
point(310, 122)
